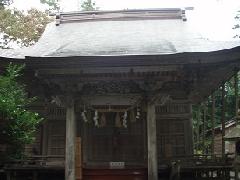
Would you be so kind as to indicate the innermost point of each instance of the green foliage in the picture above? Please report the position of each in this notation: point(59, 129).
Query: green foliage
point(198, 113)
point(53, 4)
point(88, 5)
point(237, 25)
point(5, 2)
point(22, 28)
point(21, 123)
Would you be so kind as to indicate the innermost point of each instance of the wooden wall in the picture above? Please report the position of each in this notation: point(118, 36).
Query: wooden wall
point(54, 138)
point(174, 134)
point(50, 138)
point(118, 144)
point(229, 146)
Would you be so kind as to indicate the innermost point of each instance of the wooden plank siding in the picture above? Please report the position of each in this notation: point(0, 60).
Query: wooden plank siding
point(229, 146)
point(121, 144)
point(116, 144)
point(173, 131)
point(50, 137)
point(56, 138)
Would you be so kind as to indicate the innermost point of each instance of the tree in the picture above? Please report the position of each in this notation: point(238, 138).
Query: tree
point(88, 5)
point(237, 26)
point(21, 123)
point(229, 112)
point(20, 28)
point(53, 4)
point(5, 2)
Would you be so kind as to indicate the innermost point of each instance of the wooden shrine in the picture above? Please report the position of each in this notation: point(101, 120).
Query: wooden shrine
point(114, 113)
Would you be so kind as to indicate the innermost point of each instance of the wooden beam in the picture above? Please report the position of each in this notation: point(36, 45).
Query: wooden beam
point(107, 70)
point(152, 142)
point(213, 122)
point(223, 119)
point(70, 140)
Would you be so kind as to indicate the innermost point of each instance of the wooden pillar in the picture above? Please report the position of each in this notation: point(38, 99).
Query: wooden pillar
point(78, 159)
point(190, 128)
point(8, 175)
point(152, 142)
point(198, 127)
point(223, 119)
point(45, 132)
point(35, 175)
point(45, 138)
point(204, 127)
point(213, 122)
point(236, 95)
point(70, 140)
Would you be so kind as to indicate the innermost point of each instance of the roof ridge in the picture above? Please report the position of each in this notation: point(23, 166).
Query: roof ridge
point(129, 14)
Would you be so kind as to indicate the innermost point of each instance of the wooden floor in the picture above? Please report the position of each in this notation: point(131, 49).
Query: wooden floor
point(115, 174)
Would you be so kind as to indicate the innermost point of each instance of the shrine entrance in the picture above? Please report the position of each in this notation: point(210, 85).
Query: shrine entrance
point(114, 142)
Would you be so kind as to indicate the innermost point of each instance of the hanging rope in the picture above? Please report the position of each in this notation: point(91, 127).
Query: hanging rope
point(109, 109)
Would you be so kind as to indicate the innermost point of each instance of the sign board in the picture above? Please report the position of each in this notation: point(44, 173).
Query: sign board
point(117, 165)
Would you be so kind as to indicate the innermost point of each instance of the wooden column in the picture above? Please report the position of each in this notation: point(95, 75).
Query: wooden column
point(204, 127)
point(213, 122)
point(8, 174)
point(198, 127)
point(45, 132)
point(236, 95)
point(223, 119)
point(78, 159)
point(191, 140)
point(45, 138)
point(70, 140)
point(152, 142)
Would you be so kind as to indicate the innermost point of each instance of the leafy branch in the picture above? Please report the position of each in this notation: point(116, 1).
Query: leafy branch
point(21, 123)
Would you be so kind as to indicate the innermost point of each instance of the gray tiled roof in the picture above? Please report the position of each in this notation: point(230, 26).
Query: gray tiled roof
point(13, 53)
point(122, 37)
point(233, 134)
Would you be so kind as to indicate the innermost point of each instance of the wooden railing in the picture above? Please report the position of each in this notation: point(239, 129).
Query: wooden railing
point(201, 166)
point(37, 161)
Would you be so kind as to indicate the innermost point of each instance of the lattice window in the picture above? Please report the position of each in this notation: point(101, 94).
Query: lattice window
point(56, 138)
point(56, 113)
point(171, 138)
point(173, 109)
